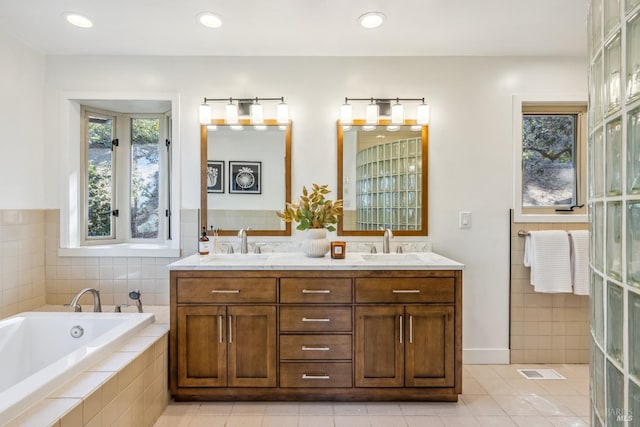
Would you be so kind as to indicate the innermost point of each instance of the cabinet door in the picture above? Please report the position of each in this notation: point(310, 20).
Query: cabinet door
point(202, 350)
point(429, 346)
point(252, 346)
point(379, 346)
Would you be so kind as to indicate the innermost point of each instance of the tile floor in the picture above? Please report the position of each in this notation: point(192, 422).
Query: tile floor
point(493, 395)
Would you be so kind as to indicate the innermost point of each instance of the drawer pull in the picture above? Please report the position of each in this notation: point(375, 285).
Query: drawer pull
point(401, 332)
point(315, 377)
point(305, 348)
point(406, 291)
point(225, 291)
point(311, 319)
point(316, 291)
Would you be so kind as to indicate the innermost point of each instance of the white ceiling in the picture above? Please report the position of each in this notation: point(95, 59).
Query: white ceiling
point(302, 27)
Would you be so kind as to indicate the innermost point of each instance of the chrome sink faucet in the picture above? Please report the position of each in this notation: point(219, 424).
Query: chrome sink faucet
point(386, 246)
point(244, 246)
point(97, 307)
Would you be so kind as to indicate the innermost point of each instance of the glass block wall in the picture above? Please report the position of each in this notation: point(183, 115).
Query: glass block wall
point(614, 207)
point(389, 185)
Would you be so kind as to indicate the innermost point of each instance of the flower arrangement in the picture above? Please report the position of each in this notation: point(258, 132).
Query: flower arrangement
point(313, 210)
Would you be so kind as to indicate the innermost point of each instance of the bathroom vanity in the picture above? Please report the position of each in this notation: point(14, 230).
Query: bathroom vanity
point(286, 327)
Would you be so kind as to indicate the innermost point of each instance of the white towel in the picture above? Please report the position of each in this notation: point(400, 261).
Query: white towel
point(579, 240)
point(547, 253)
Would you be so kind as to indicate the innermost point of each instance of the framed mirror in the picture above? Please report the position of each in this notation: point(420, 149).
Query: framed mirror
point(382, 179)
point(245, 177)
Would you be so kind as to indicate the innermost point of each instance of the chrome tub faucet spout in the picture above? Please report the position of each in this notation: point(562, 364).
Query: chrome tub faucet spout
point(97, 307)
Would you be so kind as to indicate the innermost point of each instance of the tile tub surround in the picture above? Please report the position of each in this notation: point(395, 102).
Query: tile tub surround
point(129, 387)
point(22, 261)
point(545, 328)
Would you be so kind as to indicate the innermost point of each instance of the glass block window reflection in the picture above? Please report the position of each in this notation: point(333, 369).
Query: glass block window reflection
point(389, 185)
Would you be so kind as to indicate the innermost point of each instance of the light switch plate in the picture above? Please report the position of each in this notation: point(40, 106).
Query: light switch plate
point(464, 219)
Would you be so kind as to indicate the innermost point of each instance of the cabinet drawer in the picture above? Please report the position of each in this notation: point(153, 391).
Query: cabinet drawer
point(330, 347)
point(226, 290)
point(315, 319)
point(315, 375)
point(406, 290)
point(315, 290)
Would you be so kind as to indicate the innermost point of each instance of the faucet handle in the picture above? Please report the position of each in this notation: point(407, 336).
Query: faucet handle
point(399, 250)
point(373, 249)
point(229, 248)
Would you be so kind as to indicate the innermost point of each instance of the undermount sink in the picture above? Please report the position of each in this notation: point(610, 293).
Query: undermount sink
point(240, 258)
point(392, 258)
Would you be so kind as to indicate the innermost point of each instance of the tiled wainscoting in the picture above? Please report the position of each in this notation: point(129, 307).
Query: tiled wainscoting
point(114, 277)
point(127, 388)
point(22, 277)
point(545, 328)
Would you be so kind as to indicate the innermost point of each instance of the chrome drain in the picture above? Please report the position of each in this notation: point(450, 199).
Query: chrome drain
point(77, 331)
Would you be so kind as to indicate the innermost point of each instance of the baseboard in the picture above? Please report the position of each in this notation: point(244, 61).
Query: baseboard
point(485, 356)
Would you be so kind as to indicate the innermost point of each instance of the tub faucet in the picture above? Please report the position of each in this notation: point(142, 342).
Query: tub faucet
point(386, 246)
point(97, 307)
point(242, 234)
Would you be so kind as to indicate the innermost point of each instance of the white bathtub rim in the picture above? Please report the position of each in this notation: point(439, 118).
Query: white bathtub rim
point(20, 397)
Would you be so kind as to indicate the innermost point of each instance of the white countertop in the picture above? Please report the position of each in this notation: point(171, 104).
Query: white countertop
point(299, 261)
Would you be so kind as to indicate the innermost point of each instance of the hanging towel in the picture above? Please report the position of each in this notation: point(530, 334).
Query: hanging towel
point(579, 240)
point(547, 253)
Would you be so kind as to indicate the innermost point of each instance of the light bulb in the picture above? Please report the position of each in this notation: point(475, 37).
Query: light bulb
point(371, 114)
point(346, 114)
point(282, 113)
point(423, 114)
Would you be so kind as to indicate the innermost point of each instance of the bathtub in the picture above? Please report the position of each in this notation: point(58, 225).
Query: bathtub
point(40, 351)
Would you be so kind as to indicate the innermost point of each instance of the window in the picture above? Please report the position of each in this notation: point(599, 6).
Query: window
point(126, 163)
point(550, 161)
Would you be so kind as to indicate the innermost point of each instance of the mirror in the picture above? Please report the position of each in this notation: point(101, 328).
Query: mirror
point(382, 179)
point(245, 178)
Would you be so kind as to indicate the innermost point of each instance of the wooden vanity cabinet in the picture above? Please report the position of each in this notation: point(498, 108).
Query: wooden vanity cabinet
point(351, 335)
point(225, 345)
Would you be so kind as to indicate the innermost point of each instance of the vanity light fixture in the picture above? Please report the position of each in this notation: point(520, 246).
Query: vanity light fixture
point(381, 111)
point(232, 111)
point(371, 20)
point(78, 20)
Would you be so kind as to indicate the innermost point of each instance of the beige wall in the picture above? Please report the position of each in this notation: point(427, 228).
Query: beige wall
point(545, 328)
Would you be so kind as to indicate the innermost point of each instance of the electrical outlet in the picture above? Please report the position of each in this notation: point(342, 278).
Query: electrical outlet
point(464, 219)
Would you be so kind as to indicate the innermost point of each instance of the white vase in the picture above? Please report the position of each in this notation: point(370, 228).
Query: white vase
point(315, 243)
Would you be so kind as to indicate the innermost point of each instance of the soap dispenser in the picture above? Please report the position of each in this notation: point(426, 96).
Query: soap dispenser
point(203, 243)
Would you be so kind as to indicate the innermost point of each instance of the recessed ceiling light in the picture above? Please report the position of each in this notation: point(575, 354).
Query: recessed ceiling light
point(209, 20)
point(78, 20)
point(371, 19)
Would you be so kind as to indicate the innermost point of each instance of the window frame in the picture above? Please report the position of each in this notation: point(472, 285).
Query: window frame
point(121, 169)
point(68, 184)
point(550, 104)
